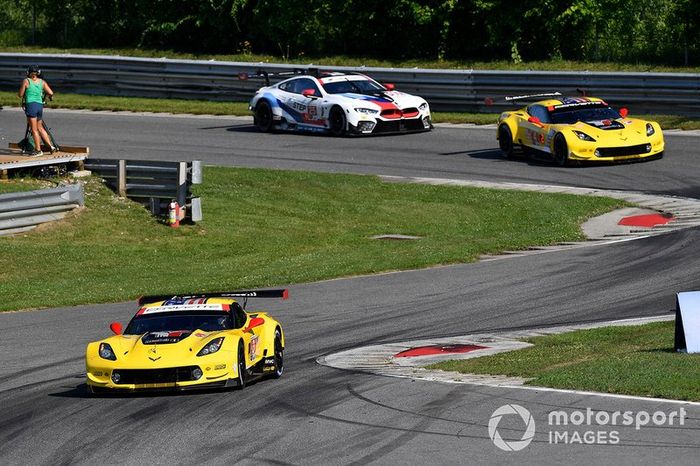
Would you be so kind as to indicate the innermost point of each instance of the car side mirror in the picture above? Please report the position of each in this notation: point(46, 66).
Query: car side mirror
point(389, 87)
point(535, 121)
point(624, 112)
point(309, 93)
point(255, 322)
point(116, 327)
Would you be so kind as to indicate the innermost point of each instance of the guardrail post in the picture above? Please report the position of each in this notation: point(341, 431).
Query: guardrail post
point(121, 178)
point(196, 172)
point(182, 183)
point(196, 211)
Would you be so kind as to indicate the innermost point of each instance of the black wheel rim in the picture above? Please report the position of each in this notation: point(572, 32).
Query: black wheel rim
point(279, 357)
point(505, 141)
point(560, 152)
point(264, 116)
point(241, 368)
point(336, 122)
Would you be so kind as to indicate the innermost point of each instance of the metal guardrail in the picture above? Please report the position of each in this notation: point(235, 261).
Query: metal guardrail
point(445, 90)
point(152, 183)
point(26, 210)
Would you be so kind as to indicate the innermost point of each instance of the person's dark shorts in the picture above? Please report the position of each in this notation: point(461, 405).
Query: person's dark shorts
point(34, 110)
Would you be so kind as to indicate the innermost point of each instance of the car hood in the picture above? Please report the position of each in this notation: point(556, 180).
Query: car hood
point(161, 349)
point(622, 127)
point(392, 98)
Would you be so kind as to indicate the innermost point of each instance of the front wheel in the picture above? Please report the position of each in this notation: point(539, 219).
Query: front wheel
point(241, 368)
point(263, 116)
point(505, 141)
point(337, 121)
point(561, 150)
point(279, 356)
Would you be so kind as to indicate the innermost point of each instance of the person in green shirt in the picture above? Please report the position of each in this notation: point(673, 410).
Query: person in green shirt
point(32, 94)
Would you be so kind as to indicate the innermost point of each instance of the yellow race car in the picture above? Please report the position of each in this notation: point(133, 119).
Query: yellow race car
point(185, 342)
point(581, 129)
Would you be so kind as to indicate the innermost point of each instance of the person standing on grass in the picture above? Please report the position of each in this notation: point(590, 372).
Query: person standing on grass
point(32, 94)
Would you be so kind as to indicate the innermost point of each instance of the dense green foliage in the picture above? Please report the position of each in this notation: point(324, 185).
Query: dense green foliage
point(654, 31)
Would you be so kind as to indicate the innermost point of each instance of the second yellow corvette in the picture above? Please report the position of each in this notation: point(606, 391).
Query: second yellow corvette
point(182, 342)
point(582, 129)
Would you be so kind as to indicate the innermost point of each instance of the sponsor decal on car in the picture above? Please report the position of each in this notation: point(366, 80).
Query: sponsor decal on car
point(253, 347)
point(184, 307)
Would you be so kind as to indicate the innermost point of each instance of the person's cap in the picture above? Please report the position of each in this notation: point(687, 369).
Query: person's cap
point(33, 69)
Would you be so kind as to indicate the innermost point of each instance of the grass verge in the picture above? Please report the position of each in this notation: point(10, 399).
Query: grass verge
point(21, 184)
point(631, 360)
point(273, 227)
point(202, 107)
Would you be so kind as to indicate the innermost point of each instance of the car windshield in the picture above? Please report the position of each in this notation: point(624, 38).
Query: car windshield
point(208, 322)
point(585, 113)
point(357, 86)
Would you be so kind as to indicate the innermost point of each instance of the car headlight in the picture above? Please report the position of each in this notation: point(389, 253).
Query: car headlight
point(650, 129)
point(423, 106)
point(366, 111)
point(106, 352)
point(211, 347)
point(583, 136)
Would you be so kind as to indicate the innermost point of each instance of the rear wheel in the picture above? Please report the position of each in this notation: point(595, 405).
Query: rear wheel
point(505, 141)
point(337, 121)
point(263, 116)
point(279, 355)
point(241, 368)
point(561, 150)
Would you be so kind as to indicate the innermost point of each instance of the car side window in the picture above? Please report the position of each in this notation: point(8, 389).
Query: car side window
point(286, 86)
point(239, 315)
point(305, 83)
point(540, 112)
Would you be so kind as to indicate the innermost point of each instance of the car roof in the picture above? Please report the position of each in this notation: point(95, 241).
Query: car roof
point(344, 77)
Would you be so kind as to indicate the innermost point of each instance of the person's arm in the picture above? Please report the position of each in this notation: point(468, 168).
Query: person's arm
point(48, 90)
point(22, 90)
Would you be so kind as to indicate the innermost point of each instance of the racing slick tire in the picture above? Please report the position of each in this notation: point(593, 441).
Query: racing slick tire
point(279, 355)
point(560, 150)
point(241, 378)
point(263, 116)
point(505, 141)
point(338, 123)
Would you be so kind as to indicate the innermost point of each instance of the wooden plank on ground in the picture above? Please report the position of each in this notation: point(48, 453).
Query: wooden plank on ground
point(64, 149)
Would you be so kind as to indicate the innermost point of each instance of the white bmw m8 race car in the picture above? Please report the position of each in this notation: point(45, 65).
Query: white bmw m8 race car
point(337, 103)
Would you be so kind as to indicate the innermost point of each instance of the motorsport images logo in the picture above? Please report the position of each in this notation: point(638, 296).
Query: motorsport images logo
point(512, 445)
point(583, 427)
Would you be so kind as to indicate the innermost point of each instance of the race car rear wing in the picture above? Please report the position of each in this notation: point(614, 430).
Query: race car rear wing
point(243, 76)
point(530, 96)
point(281, 293)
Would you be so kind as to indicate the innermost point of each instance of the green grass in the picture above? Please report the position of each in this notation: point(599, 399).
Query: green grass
point(269, 227)
point(21, 184)
point(202, 107)
point(340, 60)
point(136, 104)
point(632, 360)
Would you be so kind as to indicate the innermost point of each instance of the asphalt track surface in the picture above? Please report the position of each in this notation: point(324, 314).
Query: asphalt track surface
point(319, 415)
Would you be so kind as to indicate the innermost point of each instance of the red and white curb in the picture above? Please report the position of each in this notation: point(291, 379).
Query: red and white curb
point(385, 359)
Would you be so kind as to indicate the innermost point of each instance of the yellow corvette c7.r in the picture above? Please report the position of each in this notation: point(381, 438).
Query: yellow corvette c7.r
point(581, 129)
point(186, 342)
